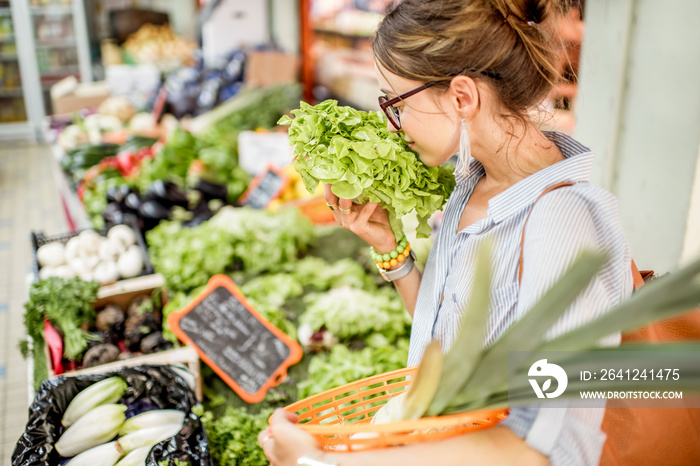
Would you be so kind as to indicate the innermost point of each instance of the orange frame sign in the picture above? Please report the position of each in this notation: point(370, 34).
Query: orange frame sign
point(249, 353)
point(255, 184)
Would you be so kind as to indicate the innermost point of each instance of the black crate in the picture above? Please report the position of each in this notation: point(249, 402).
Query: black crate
point(39, 239)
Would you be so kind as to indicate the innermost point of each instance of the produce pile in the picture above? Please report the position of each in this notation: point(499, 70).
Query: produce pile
point(90, 336)
point(91, 256)
point(317, 287)
point(190, 175)
point(316, 283)
point(158, 45)
point(94, 418)
point(356, 153)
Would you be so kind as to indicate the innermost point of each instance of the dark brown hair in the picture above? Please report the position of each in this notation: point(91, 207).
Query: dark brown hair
point(504, 43)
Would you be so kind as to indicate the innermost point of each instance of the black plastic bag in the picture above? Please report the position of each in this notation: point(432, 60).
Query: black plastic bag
point(150, 387)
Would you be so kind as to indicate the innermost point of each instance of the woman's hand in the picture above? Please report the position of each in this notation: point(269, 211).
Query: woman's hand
point(284, 442)
point(369, 221)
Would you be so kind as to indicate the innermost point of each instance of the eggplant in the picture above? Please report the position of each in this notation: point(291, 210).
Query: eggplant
point(154, 210)
point(167, 193)
point(113, 213)
point(118, 193)
point(211, 190)
point(132, 201)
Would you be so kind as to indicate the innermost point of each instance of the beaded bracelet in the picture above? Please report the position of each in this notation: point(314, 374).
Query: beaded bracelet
point(393, 258)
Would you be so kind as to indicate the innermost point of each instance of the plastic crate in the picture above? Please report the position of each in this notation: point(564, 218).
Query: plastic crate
point(38, 239)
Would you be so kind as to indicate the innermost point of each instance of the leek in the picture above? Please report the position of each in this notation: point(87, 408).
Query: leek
point(106, 391)
point(153, 418)
point(103, 455)
point(98, 426)
point(477, 378)
point(147, 437)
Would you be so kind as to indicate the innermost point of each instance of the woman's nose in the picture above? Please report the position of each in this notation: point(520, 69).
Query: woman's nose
point(390, 126)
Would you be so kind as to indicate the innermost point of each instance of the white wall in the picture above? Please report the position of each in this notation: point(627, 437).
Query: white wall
point(285, 25)
point(639, 108)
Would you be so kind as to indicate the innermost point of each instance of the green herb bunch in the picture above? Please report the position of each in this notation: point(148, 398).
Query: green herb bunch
point(356, 153)
point(67, 304)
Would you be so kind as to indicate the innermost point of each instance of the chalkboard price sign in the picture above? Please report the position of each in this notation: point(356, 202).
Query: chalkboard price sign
point(265, 187)
point(249, 353)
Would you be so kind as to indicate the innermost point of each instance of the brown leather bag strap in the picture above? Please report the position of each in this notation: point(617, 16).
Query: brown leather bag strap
point(637, 277)
point(522, 235)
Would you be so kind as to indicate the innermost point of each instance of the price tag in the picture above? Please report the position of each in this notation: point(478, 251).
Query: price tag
point(249, 353)
point(264, 188)
point(256, 151)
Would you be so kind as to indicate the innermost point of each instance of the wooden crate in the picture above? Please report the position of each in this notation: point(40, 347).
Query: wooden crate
point(122, 293)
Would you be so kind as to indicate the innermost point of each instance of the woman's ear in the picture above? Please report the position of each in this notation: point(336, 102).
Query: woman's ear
point(464, 95)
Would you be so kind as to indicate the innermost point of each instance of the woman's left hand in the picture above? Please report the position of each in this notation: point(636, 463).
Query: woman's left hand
point(284, 442)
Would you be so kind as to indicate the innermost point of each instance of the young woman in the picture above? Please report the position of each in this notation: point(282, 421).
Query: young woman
point(464, 77)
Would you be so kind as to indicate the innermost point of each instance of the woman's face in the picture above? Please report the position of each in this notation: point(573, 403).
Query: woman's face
point(428, 122)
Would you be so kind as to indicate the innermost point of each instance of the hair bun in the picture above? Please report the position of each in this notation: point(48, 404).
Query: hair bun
point(527, 11)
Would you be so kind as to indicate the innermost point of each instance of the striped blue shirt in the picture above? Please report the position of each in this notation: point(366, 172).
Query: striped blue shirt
point(563, 223)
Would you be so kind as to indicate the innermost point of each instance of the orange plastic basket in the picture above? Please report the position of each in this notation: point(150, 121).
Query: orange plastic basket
point(335, 416)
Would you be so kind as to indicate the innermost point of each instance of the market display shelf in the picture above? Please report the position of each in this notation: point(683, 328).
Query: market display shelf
point(60, 70)
point(9, 57)
point(11, 92)
point(7, 38)
point(56, 44)
point(53, 10)
point(185, 356)
point(5, 11)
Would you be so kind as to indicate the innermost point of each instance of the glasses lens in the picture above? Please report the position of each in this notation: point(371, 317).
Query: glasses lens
point(391, 112)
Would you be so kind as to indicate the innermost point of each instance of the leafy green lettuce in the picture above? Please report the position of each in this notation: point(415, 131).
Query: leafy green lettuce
point(356, 153)
point(342, 365)
point(350, 313)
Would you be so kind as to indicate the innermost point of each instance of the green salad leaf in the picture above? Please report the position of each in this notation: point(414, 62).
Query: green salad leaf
point(352, 313)
point(362, 160)
point(342, 365)
point(233, 435)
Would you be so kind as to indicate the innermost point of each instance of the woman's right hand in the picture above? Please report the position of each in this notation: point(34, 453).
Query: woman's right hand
point(369, 221)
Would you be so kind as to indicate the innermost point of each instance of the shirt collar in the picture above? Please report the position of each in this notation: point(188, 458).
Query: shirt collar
point(576, 167)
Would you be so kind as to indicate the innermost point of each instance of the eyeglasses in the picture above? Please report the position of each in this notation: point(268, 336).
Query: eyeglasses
point(391, 112)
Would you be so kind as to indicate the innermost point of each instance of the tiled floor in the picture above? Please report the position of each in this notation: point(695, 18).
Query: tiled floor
point(28, 201)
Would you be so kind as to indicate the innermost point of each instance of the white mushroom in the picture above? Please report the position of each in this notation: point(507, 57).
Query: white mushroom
point(110, 250)
point(90, 242)
point(122, 233)
point(46, 272)
point(64, 271)
point(105, 272)
point(80, 266)
point(90, 260)
point(51, 254)
point(72, 249)
point(130, 263)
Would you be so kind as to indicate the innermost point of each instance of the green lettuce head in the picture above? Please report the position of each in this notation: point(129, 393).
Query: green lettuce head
point(362, 160)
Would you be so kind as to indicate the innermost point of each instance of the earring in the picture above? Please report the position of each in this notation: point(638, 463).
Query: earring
point(465, 151)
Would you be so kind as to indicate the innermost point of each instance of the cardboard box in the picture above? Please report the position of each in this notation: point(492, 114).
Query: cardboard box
point(68, 96)
point(268, 68)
